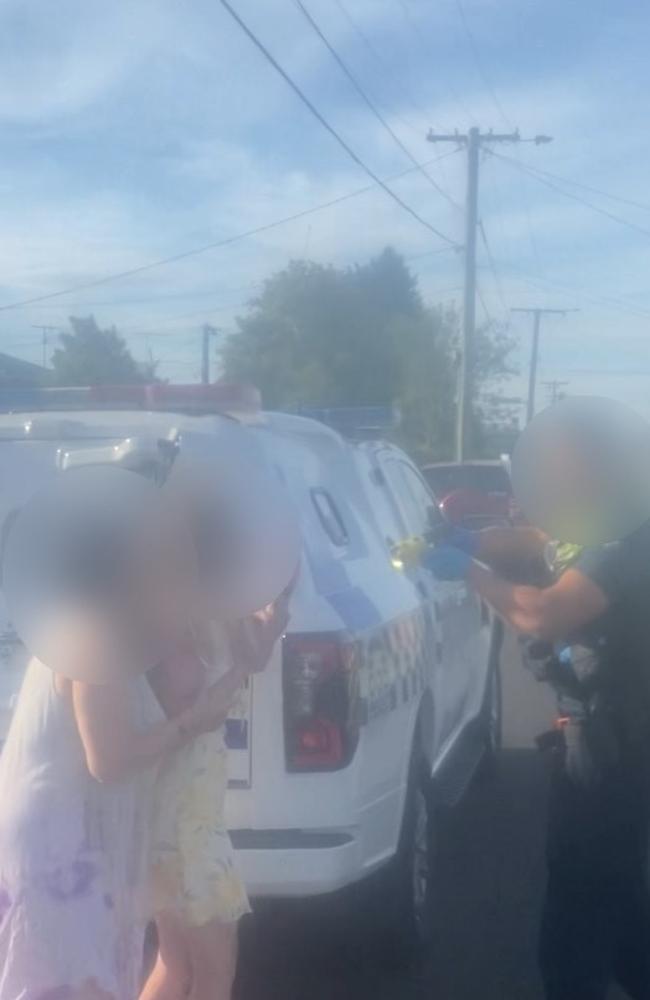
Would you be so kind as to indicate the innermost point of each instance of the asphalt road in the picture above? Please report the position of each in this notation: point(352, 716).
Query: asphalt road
point(490, 872)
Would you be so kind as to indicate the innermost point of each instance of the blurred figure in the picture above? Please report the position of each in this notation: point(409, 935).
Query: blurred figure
point(199, 894)
point(76, 775)
point(247, 543)
point(583, 475)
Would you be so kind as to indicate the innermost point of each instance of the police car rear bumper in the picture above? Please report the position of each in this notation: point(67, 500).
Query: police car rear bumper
point(281, 863)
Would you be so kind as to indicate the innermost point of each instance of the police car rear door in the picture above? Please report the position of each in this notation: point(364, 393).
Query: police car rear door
point(445, 602)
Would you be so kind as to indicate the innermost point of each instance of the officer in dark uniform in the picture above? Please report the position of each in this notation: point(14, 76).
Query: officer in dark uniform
point(582, 470)
point(590, 625)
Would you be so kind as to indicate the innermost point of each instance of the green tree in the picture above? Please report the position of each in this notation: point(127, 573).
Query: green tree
point(427, 389)
point(92, 356)
point(361, 335)
point(325, 335)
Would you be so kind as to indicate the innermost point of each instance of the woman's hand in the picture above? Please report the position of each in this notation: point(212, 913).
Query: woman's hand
point(213, 706)
point(253, 640)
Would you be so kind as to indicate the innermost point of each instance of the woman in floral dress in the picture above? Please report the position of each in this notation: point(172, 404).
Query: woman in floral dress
point(199, 894)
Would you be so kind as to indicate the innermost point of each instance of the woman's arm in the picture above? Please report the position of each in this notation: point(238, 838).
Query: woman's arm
point(114, 748)
point(550, 612)
point(177, 682)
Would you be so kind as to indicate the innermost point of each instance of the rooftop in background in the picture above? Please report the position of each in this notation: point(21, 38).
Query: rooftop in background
point(18, 374)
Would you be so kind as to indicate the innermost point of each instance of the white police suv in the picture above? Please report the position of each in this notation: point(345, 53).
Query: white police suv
point(382, 698)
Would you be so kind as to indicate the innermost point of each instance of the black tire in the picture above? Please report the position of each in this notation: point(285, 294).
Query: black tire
point(402, 918)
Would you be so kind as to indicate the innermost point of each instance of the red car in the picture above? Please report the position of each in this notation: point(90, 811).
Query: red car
point(473, 493)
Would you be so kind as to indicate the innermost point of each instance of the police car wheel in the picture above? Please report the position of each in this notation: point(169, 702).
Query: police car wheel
point(405, 907)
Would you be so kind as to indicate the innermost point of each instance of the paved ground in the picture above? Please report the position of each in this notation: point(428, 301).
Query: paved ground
point(490, 873)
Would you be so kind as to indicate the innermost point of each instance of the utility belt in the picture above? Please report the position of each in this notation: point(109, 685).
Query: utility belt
point(584, 736)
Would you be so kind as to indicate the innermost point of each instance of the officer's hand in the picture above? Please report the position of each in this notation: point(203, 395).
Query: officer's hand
point(447, 562)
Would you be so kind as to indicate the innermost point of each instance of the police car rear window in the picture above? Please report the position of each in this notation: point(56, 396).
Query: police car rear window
point(329, 516)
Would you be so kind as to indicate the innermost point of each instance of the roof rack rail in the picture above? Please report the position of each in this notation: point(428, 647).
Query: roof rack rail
point(359, 422)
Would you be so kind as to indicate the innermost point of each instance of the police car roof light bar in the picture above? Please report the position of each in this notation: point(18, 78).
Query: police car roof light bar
point(219, 397)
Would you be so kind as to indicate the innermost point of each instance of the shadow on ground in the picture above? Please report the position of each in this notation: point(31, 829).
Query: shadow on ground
point(490, 876)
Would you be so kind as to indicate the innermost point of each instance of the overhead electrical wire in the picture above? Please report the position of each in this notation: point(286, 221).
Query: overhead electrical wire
point(492, 265)
point(368, 101)
point(585, 187)
point(196, 251)
point(529, 225)
point(568, 194)
point(481, 299)
point(479, 63)
point(408, 19)
point(613, 303)
point(417, 107)
point(330, 128)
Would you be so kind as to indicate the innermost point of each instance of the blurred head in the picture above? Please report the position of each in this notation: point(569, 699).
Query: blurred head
point(99, 574)
point(581, 470)
point(244, 528)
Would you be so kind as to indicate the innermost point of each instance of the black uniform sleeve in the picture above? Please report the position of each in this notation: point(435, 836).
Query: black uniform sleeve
point(618, 566)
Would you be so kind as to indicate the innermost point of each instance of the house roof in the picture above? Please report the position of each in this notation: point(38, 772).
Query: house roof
point(16, 372)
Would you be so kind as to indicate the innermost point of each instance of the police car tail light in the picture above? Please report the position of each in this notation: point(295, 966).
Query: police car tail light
point(320, 711)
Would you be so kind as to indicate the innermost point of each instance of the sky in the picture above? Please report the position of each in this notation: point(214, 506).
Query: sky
point(133, 132)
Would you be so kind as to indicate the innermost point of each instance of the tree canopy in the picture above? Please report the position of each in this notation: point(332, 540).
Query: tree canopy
point(326, 336)
point(92, 356)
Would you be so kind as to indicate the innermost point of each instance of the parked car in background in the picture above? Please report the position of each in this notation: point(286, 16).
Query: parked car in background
point(383, 697)
point(475, 492)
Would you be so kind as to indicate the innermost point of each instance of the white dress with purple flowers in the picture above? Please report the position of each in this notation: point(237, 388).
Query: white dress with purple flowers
point(73, 856)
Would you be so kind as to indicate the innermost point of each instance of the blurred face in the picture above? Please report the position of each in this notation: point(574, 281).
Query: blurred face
point(582, 472)
point(159, 589)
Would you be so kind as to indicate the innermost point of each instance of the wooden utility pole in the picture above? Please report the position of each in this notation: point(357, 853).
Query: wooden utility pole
point(474, 141)
point(45, 329)
point(207, 332)
point(537, 314)
point(554, 388)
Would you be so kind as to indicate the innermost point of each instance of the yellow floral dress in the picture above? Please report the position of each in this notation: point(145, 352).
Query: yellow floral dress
point(194, 872)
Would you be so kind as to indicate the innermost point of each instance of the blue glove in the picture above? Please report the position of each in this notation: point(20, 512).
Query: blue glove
point(461, 538)
point(447, 562)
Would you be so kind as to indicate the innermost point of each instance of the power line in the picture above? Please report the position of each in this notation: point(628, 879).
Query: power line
point(408, 19)
point(585, 187)
point(163, 261)
point(356, 27)
point(329, 128)
point(609, 302)
point(488, 315)
point(492, 265)
point(370, 104)
point(479, 63)
point(571, 196)
point(426, 253)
